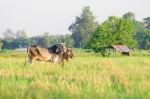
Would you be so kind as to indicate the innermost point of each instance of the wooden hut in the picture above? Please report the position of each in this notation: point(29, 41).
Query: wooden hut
point(123, 49)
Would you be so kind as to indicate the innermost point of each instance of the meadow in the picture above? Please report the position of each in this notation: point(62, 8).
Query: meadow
point(87, 76)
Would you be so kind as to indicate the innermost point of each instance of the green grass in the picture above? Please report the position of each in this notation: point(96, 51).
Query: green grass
point(87, 76)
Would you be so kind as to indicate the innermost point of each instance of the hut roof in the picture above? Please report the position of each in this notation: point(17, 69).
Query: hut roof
point(121, 48)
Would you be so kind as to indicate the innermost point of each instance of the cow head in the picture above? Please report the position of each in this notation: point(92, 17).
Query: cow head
point(68, 54)
point(61, 48)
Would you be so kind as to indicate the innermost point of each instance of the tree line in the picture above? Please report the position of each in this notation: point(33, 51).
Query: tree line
point(20, 39)
point(88, 33)
point(124, 30)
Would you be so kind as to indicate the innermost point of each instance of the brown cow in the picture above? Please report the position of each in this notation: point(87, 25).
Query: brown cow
point(53, 54)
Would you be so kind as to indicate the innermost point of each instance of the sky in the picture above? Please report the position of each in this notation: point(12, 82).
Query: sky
point(54, 16)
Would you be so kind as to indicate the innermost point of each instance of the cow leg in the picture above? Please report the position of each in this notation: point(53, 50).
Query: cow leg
point(29, 61)
point(62, 63)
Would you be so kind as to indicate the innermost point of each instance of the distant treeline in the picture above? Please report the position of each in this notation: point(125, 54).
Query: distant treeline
point(88, 33)
point(44, 40)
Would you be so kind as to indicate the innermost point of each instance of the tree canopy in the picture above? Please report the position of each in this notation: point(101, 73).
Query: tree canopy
point(129, 15)
point(112, 31)
point(147, 22)
point(143, 39)
point(83, 27)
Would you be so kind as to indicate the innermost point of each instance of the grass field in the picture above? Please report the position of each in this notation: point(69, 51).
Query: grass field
point(87, 76)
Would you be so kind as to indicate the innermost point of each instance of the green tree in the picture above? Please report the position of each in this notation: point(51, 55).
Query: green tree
point(68, 40)
point(9, 34)
point(21, 34)
point(54, 39)
point(34, 40)
point(147, 22)
point(143, 39)
point(129, 15)
point(83, 27)
point(139, 26)
point(1, 44)
point(14, 40)
point(112, 31)
point(21, 38)
point(44, 40)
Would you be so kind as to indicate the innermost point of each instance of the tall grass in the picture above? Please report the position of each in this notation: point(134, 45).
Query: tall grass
point(87, 76)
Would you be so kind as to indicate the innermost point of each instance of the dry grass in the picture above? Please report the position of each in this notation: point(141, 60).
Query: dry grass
point(87, 76)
